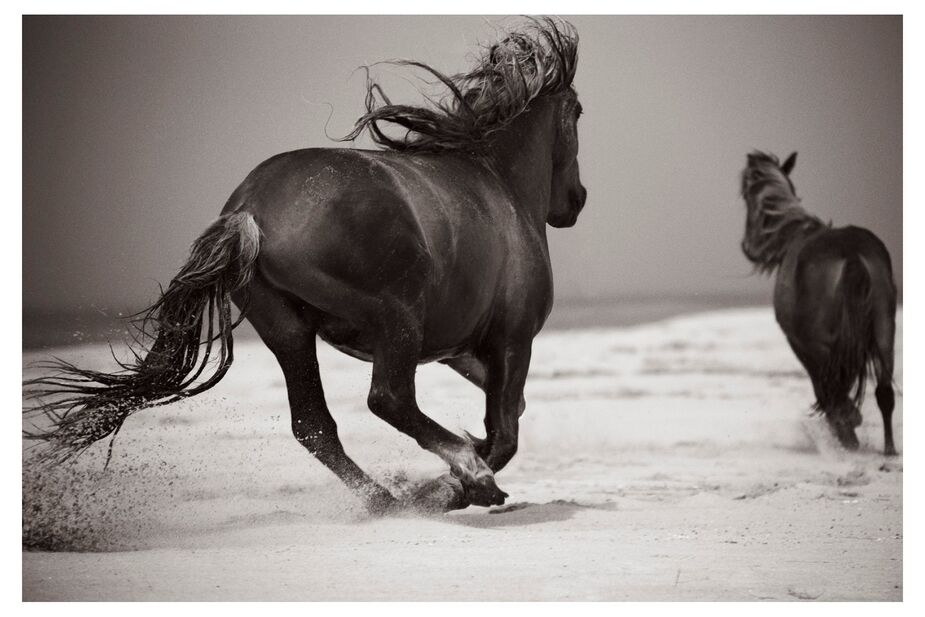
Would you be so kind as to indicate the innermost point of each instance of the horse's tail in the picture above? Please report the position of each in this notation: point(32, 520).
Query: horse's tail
point(191, 315)
point(854, 350)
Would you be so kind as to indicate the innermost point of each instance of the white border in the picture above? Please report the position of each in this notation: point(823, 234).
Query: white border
point(914, 105)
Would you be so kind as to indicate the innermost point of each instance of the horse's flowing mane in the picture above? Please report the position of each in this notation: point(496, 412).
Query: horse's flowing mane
point(775, 213)
point(538, 60)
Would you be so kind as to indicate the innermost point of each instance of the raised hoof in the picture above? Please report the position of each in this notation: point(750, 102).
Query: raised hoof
point(484, 492)
point(439, 495)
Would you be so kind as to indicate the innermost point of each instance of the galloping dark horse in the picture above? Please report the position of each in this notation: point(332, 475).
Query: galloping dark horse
point(431, 249)
point(834, 298)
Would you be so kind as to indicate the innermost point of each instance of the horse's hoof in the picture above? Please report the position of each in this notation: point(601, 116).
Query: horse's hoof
point(484, 492)
point(889, 451)
point(440, 495)
point(381, 503)
point(846, 437)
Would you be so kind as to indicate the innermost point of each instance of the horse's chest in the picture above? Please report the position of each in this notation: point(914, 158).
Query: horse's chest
point(529, 290)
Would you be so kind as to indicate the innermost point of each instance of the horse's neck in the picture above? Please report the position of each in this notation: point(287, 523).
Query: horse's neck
point(522, 156)
point(776, 233)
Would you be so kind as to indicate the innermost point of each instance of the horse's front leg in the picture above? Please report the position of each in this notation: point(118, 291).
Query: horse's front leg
point(504, 403)
point(392, 398)
point(502, 378)
point(476, 372)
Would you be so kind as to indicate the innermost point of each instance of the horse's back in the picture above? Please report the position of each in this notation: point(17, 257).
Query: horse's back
point(842, 243)
point(348, 232)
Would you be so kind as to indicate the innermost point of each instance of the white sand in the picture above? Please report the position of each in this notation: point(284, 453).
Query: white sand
point(673, 461)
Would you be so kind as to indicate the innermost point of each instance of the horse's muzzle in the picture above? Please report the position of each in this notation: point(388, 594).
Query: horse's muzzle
point(578, 204)
point(576, 201)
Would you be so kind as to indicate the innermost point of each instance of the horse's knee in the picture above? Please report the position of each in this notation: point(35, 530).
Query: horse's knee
point(383, 402)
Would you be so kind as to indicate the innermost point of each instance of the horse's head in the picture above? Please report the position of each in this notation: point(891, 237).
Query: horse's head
point(767, 169)
point(567, 194)
point(770, 201)
point(519, 89)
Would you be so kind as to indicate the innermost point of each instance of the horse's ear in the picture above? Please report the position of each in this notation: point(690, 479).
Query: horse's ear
point(787, 167)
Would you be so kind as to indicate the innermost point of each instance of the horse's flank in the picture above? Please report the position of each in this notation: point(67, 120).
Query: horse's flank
point(441, 220)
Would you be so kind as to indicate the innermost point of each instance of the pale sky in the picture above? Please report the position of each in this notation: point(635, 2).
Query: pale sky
point(137, 129)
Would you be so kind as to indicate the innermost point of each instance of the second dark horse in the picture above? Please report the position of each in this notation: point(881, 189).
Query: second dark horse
point(433, 249)
point(834, 298)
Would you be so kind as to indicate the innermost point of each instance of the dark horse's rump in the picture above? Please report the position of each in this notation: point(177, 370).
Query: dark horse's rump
point(865, 280)
point(834, 296)
point(432, 249)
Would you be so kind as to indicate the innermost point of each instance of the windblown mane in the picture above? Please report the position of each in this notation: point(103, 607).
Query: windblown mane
point(775, 213)
point(538, 60)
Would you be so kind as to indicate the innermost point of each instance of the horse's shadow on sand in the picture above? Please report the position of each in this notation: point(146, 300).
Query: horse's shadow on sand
point(522, 514)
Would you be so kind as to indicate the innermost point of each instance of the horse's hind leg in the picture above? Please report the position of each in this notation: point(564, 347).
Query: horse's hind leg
point(392, 398)
point(831, 398)
point(315, 429)
point(290, 335)
point(884, 333)
point(886, 400)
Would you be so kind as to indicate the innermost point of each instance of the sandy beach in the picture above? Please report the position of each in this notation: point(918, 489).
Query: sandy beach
point(675, 460)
